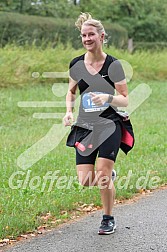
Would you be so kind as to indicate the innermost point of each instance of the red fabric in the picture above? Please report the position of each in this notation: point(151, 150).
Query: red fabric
point(126, 137)
point(80, 146)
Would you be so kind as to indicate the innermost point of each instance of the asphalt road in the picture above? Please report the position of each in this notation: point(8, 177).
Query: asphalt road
point(141, 227)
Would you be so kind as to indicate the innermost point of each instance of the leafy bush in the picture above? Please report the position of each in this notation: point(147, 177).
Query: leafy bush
point(25, 29)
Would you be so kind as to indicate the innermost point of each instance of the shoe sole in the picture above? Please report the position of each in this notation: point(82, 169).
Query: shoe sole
point(107, 233)
point(114, 175)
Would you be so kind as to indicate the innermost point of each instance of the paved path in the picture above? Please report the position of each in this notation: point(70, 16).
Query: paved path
point(141, 227)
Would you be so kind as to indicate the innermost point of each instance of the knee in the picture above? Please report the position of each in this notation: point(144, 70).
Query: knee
point(104, 178)
point(86, 180)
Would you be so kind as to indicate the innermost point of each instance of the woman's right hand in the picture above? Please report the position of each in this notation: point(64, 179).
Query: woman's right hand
point(68, 119)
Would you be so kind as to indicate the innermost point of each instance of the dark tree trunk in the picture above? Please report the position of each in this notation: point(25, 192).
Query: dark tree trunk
point(21, 6)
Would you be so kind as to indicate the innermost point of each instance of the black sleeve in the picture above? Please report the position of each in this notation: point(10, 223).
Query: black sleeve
point(72, 70)
point(76, 68)
point(116, 72)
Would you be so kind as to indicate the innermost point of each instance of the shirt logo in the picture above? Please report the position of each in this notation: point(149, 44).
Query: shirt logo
point(104, 75)
point(112, 153)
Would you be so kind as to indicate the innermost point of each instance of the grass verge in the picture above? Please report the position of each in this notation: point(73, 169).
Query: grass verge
point(25, 197)
point(18, 63)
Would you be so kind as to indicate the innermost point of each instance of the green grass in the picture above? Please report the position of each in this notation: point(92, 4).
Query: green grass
point(20, 209)
point(18, 63)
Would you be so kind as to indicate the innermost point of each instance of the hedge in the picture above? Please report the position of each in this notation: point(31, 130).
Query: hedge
point(151, 46)
point(25, 29)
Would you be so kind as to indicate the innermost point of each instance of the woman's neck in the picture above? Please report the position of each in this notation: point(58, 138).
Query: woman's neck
point(92, 57)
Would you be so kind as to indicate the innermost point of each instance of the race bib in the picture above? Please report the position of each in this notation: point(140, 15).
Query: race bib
point(89, 106)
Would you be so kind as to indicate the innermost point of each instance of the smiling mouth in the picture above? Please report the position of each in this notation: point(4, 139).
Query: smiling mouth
point(89, 44)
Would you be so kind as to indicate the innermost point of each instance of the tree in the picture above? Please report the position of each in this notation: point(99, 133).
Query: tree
point(20, 6)
point(144, 20)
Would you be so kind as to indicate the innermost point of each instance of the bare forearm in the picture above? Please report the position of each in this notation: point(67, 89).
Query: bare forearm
point(120, 101)
point(70, 101)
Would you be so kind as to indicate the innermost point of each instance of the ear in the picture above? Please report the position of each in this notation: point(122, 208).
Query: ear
point(102, 36)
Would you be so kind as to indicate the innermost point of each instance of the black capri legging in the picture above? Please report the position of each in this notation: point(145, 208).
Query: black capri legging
point(108, 149)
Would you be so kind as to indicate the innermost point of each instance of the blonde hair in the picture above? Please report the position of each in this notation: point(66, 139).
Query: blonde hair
point(86, 19)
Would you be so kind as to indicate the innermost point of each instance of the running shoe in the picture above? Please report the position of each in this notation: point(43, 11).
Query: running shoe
point(108, 225)
point(114, 175)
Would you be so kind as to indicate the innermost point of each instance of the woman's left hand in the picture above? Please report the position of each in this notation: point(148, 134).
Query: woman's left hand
point(99, 99)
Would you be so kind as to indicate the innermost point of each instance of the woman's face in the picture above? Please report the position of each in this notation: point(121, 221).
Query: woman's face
point(91, 39)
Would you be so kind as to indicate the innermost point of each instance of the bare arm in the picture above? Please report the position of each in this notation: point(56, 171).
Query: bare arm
point(121, 99)
point(70, 101)
point(118, 100)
